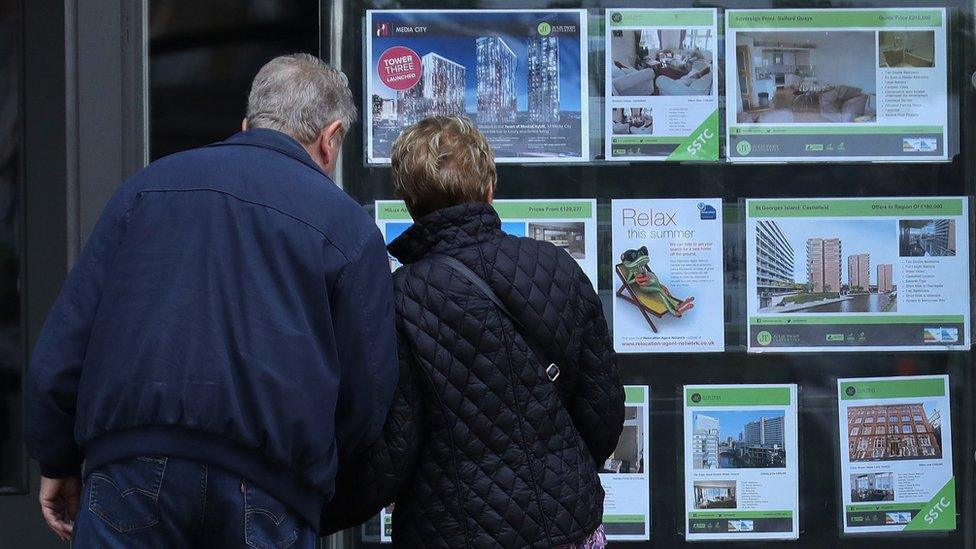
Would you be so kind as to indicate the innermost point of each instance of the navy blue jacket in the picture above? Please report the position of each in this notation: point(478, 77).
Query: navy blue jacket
point(232, 306)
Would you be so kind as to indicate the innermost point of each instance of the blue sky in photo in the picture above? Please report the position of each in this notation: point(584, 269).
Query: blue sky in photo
point(512, 27)
point(932, 406)
point(877, 237)
point(734, 422)
point(514, 228)
point(393, 230)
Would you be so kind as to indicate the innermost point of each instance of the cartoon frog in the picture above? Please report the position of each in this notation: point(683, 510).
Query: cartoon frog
point(638, 272)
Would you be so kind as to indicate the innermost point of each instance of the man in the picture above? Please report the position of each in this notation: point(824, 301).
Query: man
point(224, 341)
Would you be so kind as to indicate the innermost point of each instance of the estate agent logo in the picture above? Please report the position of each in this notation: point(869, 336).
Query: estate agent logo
point(696, 397)
point(706, 211)
point(618, 17)
point(544, 29)
point(850, 391)
point(764, 338)
point(743, 148)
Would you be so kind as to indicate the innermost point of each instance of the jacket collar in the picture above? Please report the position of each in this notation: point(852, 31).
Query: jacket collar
point(447, 229)
point(274, 140)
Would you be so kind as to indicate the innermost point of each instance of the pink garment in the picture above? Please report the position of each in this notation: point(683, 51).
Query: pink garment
point(596, 540)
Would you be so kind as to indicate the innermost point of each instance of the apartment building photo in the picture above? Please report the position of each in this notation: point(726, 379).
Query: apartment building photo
point(823, 264)
point(893, 432)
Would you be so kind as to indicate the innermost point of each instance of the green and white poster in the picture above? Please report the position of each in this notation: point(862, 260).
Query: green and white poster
point(837, 85)
point(858, 274)
point(896, 454)
point(379, 529)
point(624, 475)
point(569, 224)
point(662, 84)
point(740, 462)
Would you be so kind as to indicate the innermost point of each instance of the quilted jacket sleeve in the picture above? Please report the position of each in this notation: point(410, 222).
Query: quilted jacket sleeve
point(372, 480)
point(597, 403)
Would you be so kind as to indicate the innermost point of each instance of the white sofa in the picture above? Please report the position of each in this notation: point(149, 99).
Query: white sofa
point(686, 85)
point(629, 81)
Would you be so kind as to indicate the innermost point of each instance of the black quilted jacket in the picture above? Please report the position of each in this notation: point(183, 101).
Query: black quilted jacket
point(479, 449)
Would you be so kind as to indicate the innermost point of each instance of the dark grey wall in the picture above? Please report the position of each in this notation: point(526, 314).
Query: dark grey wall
point(45, 254)
point(84, 132)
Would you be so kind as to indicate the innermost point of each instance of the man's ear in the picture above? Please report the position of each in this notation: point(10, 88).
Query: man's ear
point(332, 135)
point(244, 124)
point(329, 142)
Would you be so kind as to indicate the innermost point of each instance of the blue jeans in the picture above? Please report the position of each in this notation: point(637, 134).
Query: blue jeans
point(155, 501)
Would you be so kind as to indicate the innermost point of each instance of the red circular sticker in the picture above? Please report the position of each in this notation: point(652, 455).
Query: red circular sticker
point(399, 68)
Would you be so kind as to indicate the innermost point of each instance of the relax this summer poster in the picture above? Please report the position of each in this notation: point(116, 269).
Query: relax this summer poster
point(520, 75)
point(668, 276)
point(858, 274)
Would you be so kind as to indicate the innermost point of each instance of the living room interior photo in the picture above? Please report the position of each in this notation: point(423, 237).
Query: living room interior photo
point(650, 62)
point(633, 121)
point(806, 77)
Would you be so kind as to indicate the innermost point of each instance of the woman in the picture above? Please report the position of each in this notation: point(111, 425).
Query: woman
point(486, 444)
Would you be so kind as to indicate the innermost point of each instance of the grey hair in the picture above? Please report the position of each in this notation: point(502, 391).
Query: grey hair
point(299, 94)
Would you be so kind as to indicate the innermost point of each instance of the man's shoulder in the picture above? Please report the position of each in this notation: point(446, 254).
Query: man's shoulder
point(267, 178)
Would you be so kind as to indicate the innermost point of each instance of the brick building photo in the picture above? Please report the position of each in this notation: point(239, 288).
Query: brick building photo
point(899, 432)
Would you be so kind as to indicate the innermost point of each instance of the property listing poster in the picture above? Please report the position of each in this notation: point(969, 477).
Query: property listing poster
point(662, 84)
point(896, 454)
point(626, 508)
point(379, 529)
point(858, 274)
point(837, 84)
point(668, 275)
point(569, 224)
point(740, 462)
point(520, 75)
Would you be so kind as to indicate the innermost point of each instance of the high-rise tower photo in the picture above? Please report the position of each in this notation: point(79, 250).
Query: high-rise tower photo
point(497, 67)
point(543, 75)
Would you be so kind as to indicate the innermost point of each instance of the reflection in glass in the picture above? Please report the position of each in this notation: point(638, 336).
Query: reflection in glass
point(11, 350)
point(202, 57)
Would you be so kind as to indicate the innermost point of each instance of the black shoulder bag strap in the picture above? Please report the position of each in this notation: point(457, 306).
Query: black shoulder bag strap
point(552, 371)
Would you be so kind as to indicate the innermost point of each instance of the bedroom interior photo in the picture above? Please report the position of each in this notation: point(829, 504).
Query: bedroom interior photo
point(650, 62)
point(806, 77)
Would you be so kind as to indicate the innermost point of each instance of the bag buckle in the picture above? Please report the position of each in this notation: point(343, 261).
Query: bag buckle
point(552, 372)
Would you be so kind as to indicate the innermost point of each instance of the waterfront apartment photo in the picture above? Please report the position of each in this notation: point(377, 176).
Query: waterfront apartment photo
point(805, 77)
point(739, 439)
point(826, 266)
point(648, 62)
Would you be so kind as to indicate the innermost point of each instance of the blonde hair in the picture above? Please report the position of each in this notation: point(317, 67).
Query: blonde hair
point(442, 161)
